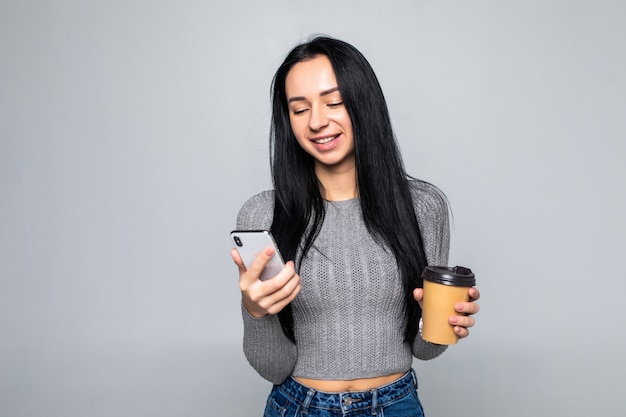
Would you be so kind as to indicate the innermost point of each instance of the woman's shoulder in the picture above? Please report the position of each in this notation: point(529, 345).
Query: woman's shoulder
point(261, 199)
point(257, 212)
point(427, 196)
point(431, 209)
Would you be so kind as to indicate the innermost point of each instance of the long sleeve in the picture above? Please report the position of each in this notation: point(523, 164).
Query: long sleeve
point(267, 348)
point(265, 345)
point(432, 213)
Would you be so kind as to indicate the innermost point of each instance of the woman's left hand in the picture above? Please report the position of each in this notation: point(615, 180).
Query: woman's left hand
point(464, 320)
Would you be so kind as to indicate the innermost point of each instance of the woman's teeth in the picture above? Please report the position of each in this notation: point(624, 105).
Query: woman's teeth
point(325, 140)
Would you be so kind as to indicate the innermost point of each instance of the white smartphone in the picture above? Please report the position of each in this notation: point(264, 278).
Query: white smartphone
point(249, 243)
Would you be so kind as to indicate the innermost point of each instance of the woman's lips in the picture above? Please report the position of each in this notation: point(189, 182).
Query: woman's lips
point(325, 139)
point(326, 143)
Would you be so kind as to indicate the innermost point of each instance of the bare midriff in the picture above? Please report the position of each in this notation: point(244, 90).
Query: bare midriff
point(351, 385)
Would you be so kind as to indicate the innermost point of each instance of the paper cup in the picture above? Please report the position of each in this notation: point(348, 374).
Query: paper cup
point(444, 286)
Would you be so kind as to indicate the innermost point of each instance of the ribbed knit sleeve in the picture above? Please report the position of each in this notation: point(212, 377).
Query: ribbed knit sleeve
point(431, 210)
point(425, 350)
point(432, 214)
point(267, 348)
point(265, 345)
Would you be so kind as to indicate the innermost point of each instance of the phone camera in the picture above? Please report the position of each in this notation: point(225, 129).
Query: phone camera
point(237, 241)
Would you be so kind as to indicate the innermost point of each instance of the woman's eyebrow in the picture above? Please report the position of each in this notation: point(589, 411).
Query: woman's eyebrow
point(323, 93)
point(329, 91)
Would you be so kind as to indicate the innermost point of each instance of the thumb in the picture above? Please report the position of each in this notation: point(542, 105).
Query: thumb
point(237, 259)
point(418, 294)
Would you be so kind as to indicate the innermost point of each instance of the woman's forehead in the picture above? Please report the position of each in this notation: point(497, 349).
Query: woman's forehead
point(311, 77)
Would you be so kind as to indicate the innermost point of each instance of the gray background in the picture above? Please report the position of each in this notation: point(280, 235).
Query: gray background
point(132, 131)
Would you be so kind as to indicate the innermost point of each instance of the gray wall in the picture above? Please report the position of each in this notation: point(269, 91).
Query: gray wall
point(132, 131)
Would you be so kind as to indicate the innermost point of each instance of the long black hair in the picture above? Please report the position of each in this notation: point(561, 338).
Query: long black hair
point(382, 182)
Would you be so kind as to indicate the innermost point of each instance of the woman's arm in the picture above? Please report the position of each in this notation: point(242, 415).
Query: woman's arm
point(431, 210)
point(265, 345)
point(267, 348)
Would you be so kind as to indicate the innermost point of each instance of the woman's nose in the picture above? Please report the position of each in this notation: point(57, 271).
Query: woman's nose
point(319, 119)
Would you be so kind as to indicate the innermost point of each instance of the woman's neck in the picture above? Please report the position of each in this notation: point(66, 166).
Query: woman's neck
point(338, 183)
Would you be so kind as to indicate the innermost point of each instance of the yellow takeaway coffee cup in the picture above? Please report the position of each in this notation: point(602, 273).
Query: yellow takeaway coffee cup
point(443, 287)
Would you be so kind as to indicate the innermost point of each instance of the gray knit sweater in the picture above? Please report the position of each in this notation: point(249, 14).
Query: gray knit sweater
point(349, 320)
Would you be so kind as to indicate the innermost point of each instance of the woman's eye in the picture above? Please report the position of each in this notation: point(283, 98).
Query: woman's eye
point(298, 111)
point(337, 104)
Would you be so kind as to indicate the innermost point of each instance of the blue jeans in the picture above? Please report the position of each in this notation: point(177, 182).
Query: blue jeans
point(397, 399)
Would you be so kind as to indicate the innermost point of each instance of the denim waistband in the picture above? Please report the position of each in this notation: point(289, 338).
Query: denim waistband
point(350, 400)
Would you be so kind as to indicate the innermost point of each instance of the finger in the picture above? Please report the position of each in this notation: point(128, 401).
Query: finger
point(277, 282)
point(281, 285)
point(266, 298)
point(237, 259)
point(468, 307)
point(260, 291)
point(462, 321)
point(285, 296)
point(253, 272)
point(462, 332)
point(418, 294)
point(474, 293)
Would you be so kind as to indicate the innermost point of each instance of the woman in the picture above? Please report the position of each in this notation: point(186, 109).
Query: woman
point(336, 330)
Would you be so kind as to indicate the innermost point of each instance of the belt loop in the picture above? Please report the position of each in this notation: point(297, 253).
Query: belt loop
point(374, 393)
point(414, 377)
point(307, 401)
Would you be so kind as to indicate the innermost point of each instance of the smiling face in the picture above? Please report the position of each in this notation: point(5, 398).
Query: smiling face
point(318, 116)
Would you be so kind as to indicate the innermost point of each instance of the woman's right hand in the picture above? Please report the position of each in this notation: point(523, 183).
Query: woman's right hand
point(261, 298)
